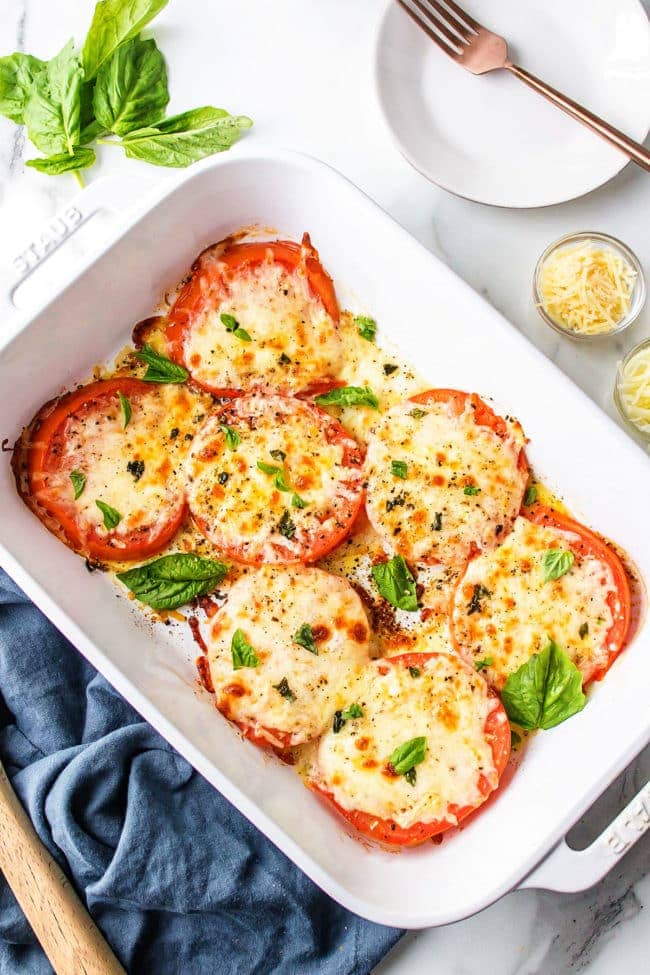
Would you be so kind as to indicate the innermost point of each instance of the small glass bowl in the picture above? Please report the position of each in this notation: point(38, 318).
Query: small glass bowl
point(638, 295)
point(618, 399)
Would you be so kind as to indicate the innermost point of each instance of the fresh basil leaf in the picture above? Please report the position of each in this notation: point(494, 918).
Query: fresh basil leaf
point(531, 494)
point(233, 439)
point(284, 689)
point(475, 606)
point(112, 518)
point(340, 717)
point(297, 501)
point(125, 406)
point(556, 562)
point(184, 139)
point(399, 468)
point(407, 756)
point(367, 327)
point(471, 490)
point(232, 325)
point(53, 108)
point(160, 369)
point(115, 22)
point(173, 580)
point(286, 526)
point(131, 88)
point(243, 654)
point(17, 74)
point(304, 637)
point(63, 162)
point(280, 480)
point(484, 663)
point(415, 671)
point(268, 468)
point(544, 691)
point(78, 479)
point(515, 738)
point(396, 584)
point(349, 396)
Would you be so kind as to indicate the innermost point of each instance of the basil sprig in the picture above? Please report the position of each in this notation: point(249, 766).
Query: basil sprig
point(304, 637)
point(173, 580)
point(242, 652)
point(160, 369)
point(349, 396)
point(131, 89)
point(399, 468)
point(545, 691)
point(531, 494)
point(284, 690)
point(183, 139)
point(396, 584)
point(64, 162)
point(112, 517)
point(556, 562)
point(231, 324)
point(233, 439)
point(367, 327)
point(78, 479)
point(125, 406)
point(347, 714)
point(405, 757)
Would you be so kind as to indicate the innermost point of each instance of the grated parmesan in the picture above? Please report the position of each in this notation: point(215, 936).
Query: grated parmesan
point(634, 388)
point(586, 288)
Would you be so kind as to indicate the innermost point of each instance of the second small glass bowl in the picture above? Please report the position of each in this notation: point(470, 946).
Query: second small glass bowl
point(638, 297)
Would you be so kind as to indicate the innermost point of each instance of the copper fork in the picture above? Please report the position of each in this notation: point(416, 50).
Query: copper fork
point(479, 50)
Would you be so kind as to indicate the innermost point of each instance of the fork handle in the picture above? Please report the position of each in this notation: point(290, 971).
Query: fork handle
point(634, 150)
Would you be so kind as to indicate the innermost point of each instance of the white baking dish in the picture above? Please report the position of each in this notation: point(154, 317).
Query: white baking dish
point(456, 339)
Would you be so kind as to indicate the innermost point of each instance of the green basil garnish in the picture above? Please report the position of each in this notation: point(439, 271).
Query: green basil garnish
point(556, 562)
point(479, 593)
point(78, 479)
point(349, 396)
point(531, 494)
point(484, 663)
point(405, 757)
point(277, 473)
point(135, 467)
point(233, 439)
point(297, 501)
point(232, 325)
point(367, 327)
point(284, 689)
point(304, 637)
point(471, 490)
point(125, 406)
point(112, 518)
point(544, 691)
point(243, 654)
point(341, 717)
point(160, 369)
point(415, 671)
point(286, 526)
point(173, 580)
point(399, 468)
point(396, 584)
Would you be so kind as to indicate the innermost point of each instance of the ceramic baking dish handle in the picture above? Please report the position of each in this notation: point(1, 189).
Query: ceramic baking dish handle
point(106, 197)
point(570, 870)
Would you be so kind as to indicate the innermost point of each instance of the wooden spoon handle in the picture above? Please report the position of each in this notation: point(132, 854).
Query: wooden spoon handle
point(67, 933)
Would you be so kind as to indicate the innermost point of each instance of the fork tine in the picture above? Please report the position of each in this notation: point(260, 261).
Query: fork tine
point(445, 20)
point(463, 16)
point(424, 24)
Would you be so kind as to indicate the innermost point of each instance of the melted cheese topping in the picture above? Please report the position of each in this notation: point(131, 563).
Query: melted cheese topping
point(427, 517)
point(245, 513)
point(95, 442)
point(448, 705)
point(284, 321)
point(586, 288)
point(269, 607)
point(522, 612)
point(633, 385)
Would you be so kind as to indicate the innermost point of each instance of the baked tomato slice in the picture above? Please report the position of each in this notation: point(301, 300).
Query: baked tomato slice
point(102, 466)
point(281, 651)
point(462, 478)
point(506, 607)
point(257, 315)
point(274, 479)
point(433, 698)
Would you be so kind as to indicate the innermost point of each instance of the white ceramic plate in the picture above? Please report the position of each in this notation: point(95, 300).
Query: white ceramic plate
point(490, 138)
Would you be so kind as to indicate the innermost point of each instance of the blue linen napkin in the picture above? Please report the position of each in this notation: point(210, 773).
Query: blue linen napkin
point(176, 878)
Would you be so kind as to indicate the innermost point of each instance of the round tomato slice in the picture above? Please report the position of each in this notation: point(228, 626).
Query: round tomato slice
point(588, 543)
point(505, 609)
point(445, 477)
point(91, 446)
point(274, 479)
point(452, 685)
point(257, 315)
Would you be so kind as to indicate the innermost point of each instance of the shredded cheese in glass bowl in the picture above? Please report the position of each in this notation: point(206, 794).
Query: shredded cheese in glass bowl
point(632, 389)
point(588, 285)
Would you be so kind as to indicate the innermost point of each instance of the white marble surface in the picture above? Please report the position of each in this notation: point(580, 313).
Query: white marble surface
point(303, 70)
